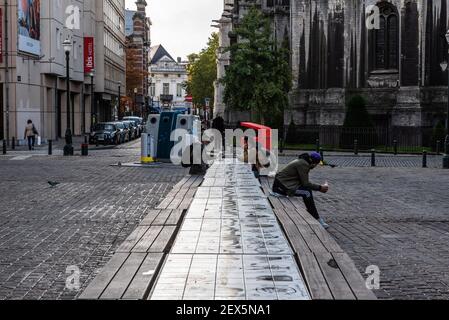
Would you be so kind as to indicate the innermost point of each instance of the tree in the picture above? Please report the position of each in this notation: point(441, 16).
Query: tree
point(356, 114)
point(258, 78)
point(202, 71)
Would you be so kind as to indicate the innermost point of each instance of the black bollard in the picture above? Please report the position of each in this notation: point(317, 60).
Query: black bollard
point(84, 149)
point(4, 146)
point(438, 147)
point(373, 158)
point(322, 154)
point(13, 143)
point(50, 147)
point(317, 145)
point(356, 147)
point(395, 145)
point(424, 159)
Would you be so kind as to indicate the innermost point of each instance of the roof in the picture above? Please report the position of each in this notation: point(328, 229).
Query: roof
point(157, 53)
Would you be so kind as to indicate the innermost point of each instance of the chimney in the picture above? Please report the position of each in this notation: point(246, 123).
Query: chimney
point(179, 60)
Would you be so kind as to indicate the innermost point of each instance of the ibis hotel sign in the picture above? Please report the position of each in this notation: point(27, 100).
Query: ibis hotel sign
point(89, 54)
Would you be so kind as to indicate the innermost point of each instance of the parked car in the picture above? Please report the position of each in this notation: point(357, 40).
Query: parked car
point(124, 132)
point(139, 122)
point(133, 129)
point(105, 133)
point(155, 110)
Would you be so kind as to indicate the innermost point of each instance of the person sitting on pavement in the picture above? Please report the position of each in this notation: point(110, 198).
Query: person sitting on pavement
point(293, 180)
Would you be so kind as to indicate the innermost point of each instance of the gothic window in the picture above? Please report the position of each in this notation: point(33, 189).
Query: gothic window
point(386, 39)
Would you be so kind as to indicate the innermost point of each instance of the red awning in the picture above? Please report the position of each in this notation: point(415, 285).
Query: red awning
point(189, 99)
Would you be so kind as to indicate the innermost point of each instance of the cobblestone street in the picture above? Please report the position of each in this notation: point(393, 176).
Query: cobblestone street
point(79, 223)
point(394, 218)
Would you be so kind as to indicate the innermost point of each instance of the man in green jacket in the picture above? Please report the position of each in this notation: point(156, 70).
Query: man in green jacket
point(293, 180)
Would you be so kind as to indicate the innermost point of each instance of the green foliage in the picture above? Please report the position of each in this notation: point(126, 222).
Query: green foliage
point(202, 71)
point(439, 134)
point(258, 78)
point(356, 114)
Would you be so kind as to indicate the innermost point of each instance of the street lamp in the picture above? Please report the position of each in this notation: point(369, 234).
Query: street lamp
point(68, 148)
point(93, 110)
point(135, 98)
point(119, 96)
point(446, 142)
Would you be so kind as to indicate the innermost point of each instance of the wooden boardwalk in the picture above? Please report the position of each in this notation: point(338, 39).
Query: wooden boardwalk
point(132, 271)
point(329, 272)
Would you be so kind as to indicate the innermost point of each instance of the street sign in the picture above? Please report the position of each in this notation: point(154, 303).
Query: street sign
point(207, 102)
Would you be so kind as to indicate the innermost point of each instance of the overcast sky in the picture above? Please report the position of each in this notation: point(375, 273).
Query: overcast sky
point(181, 26)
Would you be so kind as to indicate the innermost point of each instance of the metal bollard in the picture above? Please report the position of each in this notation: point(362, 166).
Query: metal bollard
point(317, 145)
point(424, 159)
point(50, 147)
point(373, 158)
point(4, 146)
point(13, 143)
point(395, 145)
point(322, 154)
point(356, 147)
point(438, 147)
point(84, 149)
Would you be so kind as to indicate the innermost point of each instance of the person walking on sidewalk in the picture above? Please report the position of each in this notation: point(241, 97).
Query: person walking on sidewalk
point(30, 134)
point(293, 180)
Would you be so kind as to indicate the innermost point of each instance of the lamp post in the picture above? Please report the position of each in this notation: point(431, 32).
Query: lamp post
point(135, 98)
point(92, 100)
point(446, 142)
point(118, 100)
point(68, 148)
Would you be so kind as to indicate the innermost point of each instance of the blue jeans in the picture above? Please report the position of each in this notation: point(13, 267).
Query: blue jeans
point(31, 142)
point(305, 193)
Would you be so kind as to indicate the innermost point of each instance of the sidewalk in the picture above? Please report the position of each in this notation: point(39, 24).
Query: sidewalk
point(57, 146)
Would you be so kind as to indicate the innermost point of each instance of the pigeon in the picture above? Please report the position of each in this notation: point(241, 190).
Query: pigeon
point(53, 184)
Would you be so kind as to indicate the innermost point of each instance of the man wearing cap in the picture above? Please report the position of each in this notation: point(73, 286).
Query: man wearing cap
point(293, 180)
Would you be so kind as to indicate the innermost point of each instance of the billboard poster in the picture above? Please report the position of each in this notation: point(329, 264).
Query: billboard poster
point(89, 54)
point(29, 26)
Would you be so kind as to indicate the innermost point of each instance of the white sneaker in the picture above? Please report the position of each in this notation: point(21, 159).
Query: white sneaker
point(323, 224)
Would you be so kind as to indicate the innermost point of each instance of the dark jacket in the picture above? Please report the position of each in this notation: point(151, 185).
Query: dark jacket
point(296, 175)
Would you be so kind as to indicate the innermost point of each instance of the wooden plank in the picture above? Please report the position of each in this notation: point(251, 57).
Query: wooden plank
point(334, 277)
point(123, 278)
point(151, 216)
point(353, 277)
point(275, 203)
point(286, 202)
point(318, 287)
point(175, 203)
point(161, 219)
point(313, 242)
point(102, 280)
point(147, 240)
point(326, 239)
point(185, 204)
point(175, 218)
point(163, 241)
point(145, 277)
point(298, 204)
point(133, 239)
point(165, 203)
point(198, 182)
point(181, 183)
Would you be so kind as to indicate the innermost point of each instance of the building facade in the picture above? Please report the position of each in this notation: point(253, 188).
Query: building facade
point(393, 53)
point(396, 62)
point(278, 12)
point(33, 66)
point(138, 43)
point(168, 77)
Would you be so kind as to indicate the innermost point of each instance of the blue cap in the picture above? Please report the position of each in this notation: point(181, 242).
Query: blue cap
point(316, 157)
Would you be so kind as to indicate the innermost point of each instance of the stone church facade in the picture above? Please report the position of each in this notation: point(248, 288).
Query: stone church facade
point(398, 66)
